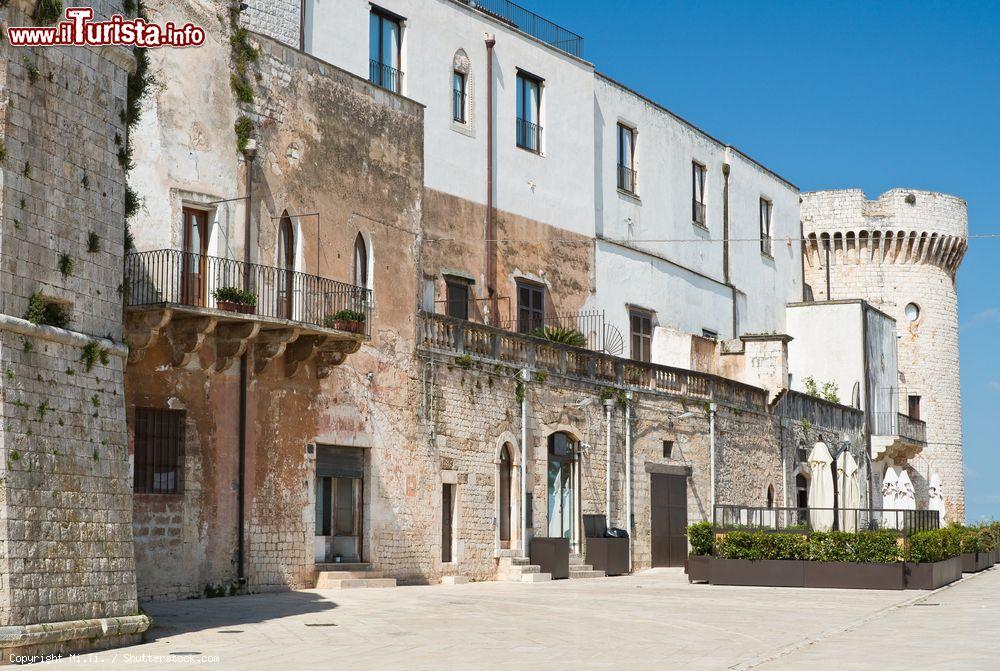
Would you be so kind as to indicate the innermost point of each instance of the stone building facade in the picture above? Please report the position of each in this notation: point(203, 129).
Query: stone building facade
point(901, 252)
point(66, 560)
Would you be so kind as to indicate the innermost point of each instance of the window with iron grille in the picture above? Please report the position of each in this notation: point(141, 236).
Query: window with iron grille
point(529, 102)
point(159, 450)
point(641, 326)
point(458, 97)
point(765, 226)
point(698, 193)
point(384, 40)
point(626, 158)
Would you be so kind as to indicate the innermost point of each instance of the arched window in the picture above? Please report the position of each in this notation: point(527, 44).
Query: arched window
point(461, 90)
point(506, 495)
point(770, 496)
point(285, 254)
point(360, 262)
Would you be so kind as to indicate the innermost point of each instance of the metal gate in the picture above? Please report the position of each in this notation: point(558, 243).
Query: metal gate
point(668, 519)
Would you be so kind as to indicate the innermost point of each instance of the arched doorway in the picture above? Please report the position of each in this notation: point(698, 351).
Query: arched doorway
point(506, 495)
point(802, 497)
point(561, 485)
point(286, 267)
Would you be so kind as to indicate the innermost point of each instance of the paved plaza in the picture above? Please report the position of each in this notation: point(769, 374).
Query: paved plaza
point(652, 620)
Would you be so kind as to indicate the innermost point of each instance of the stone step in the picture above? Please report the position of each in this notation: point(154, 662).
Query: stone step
point(576, 560)
point(349, 575)
point(536, 577)
point(454, 580)
point(585, 573)
point(326, 581)
point(344, 566)
point(514, 561)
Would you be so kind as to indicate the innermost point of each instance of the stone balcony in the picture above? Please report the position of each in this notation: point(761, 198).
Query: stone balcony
point(897, 436)
point(460, 338)
point(171, 294)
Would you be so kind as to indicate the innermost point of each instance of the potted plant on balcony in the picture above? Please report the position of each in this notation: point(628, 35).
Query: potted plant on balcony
point(247, 303)
point(351, 321)
point(228, 298)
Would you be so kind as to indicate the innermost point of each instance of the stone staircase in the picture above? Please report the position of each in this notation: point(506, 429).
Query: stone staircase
point(350, 576)
point(519, 569)
point(577, 569)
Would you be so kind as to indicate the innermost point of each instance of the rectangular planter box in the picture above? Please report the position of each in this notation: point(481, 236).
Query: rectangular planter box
point(974, 562)
point(763, 573)
point(552, 555)
point(697, 568)
point(853, 575)
point(608, 554)
point(933, 575)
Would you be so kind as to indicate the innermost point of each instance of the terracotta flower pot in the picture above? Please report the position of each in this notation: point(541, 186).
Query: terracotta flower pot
point(356, 326)
point(341, 325)
point(228, 306)
point(246, 309)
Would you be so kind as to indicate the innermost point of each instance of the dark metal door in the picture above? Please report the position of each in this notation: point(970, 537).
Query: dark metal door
point(668, 519)
point(446, 521)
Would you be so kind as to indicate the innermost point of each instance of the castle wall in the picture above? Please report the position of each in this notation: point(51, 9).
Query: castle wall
point(65, 512)
point(893, 252)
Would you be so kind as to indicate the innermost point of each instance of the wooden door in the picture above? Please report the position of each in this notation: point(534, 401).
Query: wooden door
point(505, 497)
point(194, 260)
point(447, 503)
point(668, 519)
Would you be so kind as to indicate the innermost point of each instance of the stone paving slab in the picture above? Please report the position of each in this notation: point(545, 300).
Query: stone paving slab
point(651, 620)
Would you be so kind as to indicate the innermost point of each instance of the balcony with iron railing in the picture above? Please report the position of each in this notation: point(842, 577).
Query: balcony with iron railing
point(385, 76)
point(239, 301)
point(893, 433)
point(529, 136)
point(460, 338)
point(528, 22)
point(698, 212)
point(627, 179)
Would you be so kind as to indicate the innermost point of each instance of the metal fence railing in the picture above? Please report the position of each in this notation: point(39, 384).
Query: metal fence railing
point(529, 136)
point(385, 76)
point(596, 333)
point(170, 276)
point(528, 22)
point(627, 178)
point(804, 520)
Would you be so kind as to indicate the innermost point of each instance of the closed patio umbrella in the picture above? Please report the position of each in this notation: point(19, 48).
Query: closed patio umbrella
point(820, 488)
point(906, 496)
point(850, 491)
point(936, 497)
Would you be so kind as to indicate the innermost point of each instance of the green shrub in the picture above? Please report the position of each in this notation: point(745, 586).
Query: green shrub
point(935, 545)
point(234, 295)
point(50, 313)
point(700, 537)
point(758, 545)
point(866, 546)
point(566, 336)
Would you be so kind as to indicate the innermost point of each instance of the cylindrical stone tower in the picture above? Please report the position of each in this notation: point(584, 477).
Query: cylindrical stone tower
point(900, 252)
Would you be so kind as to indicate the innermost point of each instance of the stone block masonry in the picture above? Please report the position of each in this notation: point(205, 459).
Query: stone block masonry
point(66, 560)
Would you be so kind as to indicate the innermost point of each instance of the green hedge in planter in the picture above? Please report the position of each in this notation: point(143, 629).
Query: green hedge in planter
point(979, 538)
point(878, 547)
point(700, 537)
point(934, 546)
point(759, 545)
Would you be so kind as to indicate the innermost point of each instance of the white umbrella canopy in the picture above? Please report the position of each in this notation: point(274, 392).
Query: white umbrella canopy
point(820, 488)
point(850, 491)
point(906, 495)
point(889, 498)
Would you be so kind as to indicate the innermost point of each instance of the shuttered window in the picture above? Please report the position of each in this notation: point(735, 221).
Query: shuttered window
point(159, 450)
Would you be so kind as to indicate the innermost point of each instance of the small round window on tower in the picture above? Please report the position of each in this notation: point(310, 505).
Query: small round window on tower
point(912, 312)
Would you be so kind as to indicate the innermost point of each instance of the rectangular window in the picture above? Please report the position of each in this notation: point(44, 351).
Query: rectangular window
point(765, 226)
point(383, 50)
point(698, 193)
point(159, 450)
point(641, 327)
point(530, 307)
point(914, 406)
point(447, 520)
point(709, 333)
point(458, 97)
point(457, 300)
point(668, 448)
point(529, 98)
point(626, 159)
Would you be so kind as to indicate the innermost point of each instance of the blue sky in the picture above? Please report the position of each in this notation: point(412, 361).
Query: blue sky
point(836, 95)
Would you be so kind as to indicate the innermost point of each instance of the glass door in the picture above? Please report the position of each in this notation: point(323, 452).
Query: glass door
point(194, 257)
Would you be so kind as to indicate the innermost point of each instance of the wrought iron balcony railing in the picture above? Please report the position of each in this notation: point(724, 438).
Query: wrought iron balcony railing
point(529, 136)
point(627, 178)
point(594, 331)
point(173, 277)
point(912, 429)
point(528, 22)
point(698, 212)
point(385, 76)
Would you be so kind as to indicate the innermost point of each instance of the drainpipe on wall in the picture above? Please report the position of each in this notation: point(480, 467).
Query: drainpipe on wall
point(608, 404)
point(628, 474)
point(249, 155)
point(725, 249)
point(711, 454)
point(524, 464)
point(491, 280)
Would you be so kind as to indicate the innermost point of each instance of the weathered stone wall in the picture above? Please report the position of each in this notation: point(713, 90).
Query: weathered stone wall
point(893, 252)
point(65, 511)
point(278, 19)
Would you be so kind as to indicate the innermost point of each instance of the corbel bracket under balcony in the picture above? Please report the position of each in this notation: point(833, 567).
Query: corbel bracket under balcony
point(270, 345)
point(231, 341)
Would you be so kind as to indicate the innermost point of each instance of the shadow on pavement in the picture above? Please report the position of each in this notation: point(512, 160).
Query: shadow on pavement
point(179, 617)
